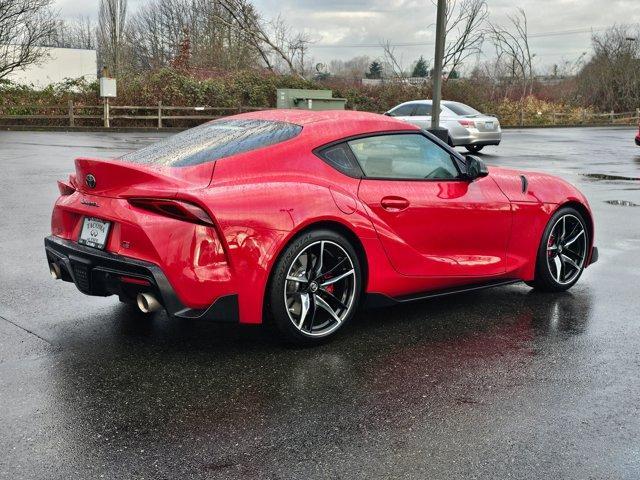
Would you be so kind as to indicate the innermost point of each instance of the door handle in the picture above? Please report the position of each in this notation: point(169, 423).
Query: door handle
point(394, 204)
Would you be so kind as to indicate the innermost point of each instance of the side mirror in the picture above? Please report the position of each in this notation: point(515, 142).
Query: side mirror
point(476, 168)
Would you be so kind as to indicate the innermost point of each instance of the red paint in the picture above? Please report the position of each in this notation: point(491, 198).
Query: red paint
point(416, 235)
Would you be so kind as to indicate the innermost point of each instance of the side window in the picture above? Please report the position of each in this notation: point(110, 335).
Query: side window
point(422, 110)
point(341, 158)
point(402, 110)
point(446, 112)
point(403, 156)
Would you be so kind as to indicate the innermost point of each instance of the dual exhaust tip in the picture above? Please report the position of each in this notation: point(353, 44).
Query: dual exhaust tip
point(147, 303)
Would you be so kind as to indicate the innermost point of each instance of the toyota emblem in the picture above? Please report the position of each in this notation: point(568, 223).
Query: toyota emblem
point(90, 181)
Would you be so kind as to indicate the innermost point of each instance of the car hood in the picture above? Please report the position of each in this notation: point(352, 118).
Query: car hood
point(534, 187)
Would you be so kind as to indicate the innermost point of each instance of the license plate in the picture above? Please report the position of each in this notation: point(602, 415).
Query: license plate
point(488, 125)
point(94, 232)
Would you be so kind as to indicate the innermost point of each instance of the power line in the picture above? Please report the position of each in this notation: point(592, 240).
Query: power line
point(422, 44)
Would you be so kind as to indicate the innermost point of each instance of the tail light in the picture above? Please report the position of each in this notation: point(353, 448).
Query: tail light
point(135, 281)
point(65, 188)
point(467, 123)
point(177, 209)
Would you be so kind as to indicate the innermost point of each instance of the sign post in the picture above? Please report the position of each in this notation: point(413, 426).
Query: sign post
point(107, 90)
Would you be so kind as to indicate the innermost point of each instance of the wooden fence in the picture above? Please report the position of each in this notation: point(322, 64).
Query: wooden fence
point(74, 115)
point(583, 117)
point(163, 116)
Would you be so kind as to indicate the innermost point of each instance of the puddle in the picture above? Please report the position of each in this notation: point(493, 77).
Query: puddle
point(604, 176)
point(621, 203)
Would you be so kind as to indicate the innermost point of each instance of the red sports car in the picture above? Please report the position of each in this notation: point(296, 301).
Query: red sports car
point(638, 136)
point(300, 217)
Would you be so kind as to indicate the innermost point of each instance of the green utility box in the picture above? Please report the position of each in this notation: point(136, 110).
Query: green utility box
point(309, 99)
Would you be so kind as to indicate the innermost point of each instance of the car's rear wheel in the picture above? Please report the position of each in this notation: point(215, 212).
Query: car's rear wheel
point(315, 287)
point(474, 148)
point(563, 250)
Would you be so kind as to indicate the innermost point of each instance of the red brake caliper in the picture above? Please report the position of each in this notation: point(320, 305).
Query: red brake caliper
point(550, 243)
point(328, 288)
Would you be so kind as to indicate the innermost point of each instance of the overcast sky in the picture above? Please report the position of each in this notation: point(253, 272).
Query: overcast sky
point(337, 26)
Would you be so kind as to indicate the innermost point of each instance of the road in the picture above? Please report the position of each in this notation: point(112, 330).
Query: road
point(503, 383)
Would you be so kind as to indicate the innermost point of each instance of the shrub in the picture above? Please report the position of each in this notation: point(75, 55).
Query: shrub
point(258, 89)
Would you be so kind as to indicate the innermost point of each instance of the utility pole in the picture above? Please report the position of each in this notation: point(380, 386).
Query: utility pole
point(441, 133)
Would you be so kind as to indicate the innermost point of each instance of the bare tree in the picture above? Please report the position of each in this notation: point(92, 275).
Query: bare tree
point(82, 33)
point(295, 46)
point(465, 31)
point(352, 69)
point(111, 34)
point(610, 80)
point(566, 68)
point(158, 29)
point(273, 40)
point(513, 52)
point(393, 64)
point(79, 33)
point(154, 34)
point(24, 26)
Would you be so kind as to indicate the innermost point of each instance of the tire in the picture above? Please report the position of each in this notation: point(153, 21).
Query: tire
point(300, 298)
point(474, 148)
point(561, 257)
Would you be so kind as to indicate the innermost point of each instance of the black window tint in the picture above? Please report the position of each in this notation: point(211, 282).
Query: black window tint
point(422, 110)
point(341, 158)
point(461, 109)
point(403, 110)
point(212, 141)
point(403, 156)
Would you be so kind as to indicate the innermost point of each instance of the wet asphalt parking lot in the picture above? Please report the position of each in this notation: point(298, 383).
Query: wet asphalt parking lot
point(503, 383)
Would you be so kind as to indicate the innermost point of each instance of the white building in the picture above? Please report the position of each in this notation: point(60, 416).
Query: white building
point(57, 65)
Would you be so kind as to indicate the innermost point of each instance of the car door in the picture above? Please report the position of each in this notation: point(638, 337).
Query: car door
point(421, 115)
point(402, 112)
point(430, 220)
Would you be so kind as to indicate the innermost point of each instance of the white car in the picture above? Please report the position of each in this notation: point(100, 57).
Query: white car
point(467, 127)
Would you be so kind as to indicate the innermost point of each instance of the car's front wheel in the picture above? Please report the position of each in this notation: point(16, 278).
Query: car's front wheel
point(315, 286)
point(474, 148)
point(562, 253)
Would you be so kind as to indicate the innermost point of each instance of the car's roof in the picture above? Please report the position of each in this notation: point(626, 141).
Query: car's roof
point(429, 102)
point(328, 125)
point(306, 117)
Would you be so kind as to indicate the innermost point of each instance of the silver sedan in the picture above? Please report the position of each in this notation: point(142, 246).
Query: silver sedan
point(467, 127)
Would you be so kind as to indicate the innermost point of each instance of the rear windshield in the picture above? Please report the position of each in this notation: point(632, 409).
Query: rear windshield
point(212, 141)
point(462, 109)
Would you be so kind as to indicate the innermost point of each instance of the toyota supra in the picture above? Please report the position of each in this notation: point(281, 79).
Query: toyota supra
point(299, 218)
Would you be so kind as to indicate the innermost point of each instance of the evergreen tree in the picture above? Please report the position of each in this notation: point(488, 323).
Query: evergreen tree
point(375, 70)
point(421, 69)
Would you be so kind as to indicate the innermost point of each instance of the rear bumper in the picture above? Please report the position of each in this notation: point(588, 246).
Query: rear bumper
point(99, 273)
point(483, 142)
point(477, 138)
